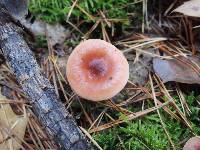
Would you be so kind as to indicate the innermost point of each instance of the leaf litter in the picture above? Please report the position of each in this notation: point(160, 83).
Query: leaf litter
point(12, 128)
point(174, 70)
point(189, 8)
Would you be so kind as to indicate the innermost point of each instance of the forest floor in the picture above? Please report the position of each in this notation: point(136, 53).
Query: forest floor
point(154, 111)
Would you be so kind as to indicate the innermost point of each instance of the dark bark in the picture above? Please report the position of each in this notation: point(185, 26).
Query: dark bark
point(51, 113)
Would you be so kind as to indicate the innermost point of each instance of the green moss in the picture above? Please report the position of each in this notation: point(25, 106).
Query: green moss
point(54, 10)
point(88, 12)
point(148, 133)
point(49, 10)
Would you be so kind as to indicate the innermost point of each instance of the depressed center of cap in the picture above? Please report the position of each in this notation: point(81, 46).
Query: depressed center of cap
point(97, 66)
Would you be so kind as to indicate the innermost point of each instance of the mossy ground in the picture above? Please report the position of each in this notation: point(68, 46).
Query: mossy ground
point(148, 133)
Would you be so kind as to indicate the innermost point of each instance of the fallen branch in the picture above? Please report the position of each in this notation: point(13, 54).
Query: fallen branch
point(52, 114)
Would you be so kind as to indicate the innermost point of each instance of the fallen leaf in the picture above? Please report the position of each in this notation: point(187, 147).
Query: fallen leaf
point(57, 33)
point(174, 70)
point(190, 8)
point(61, 62)
point(140, 67)
point(12, 127)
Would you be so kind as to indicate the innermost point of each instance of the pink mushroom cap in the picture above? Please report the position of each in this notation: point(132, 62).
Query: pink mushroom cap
point(192, 144)
point(97, 70)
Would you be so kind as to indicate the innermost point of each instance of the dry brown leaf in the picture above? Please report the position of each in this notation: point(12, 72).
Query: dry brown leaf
point(174, 70)
point(61, 62)
point(12, 127)
point(57, 33)
point(139, 68)
point(190, 8)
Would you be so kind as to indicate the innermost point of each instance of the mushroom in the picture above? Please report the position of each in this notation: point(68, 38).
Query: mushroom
point(97, 70)
point(192, 144)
